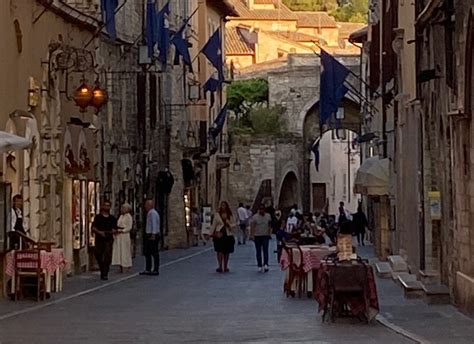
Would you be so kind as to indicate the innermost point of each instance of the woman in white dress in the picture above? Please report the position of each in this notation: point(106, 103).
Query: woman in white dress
point(122, 252)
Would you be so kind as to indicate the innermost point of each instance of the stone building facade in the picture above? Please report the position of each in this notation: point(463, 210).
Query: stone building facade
point(430, 107)
point(287, 161)
point(268, 31)
point(50, 51)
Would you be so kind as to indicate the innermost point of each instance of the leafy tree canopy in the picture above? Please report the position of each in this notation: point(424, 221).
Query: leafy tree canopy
point(311, 5)
point(262, 121)
point(355, 11)
point(242, 92)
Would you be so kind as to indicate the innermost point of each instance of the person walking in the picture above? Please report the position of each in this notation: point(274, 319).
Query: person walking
point(152, 240)
point(196, 225)
point(360, 224)
point(104, 227)
point(243, 222)
point(122, 249)
point(222, 230)
point(260, 233)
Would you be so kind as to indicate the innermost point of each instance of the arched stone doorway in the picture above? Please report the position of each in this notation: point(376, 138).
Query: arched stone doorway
point(308, 124)
point(289, 192)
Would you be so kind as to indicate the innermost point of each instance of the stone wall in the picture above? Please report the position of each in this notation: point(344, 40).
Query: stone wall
point(262, 159)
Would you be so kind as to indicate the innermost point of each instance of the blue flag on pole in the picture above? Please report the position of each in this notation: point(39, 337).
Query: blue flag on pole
point(108, 16)
point(163, 33)
point(182, 48)
point(213, 51)
point(211, 85)
point(219, 122)
point(315, 150)
point(332, 89)
point(151, 27)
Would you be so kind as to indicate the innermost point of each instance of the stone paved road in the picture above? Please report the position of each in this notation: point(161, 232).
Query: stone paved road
point(190, 303)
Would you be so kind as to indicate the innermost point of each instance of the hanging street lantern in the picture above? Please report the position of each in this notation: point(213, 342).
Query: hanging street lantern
point(99, 97)
point(83, 96)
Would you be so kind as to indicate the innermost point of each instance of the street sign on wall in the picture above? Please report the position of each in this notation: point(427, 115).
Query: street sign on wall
point(435, 205)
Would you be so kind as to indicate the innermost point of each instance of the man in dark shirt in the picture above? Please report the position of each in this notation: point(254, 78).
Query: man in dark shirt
point(104, 227)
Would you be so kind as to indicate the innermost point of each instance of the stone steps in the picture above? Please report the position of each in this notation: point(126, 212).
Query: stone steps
point(398, 264)
point(436, 294)
point(412, 288)
point(383, 269)
point(397, 274)
point(429, 277)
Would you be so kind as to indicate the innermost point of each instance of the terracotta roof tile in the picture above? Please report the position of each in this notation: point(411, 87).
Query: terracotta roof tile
point(346, 29)
point(315, 19)
point(281, 12)
point(235, 44)
point(297, 36)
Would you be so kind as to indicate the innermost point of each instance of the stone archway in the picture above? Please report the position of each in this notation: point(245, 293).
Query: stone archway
point(308, 123)
point(289, 192)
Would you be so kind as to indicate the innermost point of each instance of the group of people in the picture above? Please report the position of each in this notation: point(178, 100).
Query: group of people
point(113, 242)
point(257, 227)
point(325, 228)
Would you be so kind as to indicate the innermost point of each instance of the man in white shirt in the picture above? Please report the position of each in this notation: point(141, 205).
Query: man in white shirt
point(16, 224)
point(291, 222)
point(243, 222)
point(152, 239)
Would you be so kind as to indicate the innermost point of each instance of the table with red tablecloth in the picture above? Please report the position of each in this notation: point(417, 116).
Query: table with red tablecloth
point(356, 304)
point(51, 262)
point(312, 256)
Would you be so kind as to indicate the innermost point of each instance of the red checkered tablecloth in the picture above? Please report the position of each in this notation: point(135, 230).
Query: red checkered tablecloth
point(50, 261)
point(312, 257)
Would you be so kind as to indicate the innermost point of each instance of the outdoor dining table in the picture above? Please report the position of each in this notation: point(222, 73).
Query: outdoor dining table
point(357, 304)
point(312, 257)
point(51, 262)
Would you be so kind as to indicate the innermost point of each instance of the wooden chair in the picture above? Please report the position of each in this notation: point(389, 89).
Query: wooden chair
point(347, 281)
point(27, 270)
point(296, 270)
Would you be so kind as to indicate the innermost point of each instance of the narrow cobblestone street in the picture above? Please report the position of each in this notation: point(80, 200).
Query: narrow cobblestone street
point(190, 303)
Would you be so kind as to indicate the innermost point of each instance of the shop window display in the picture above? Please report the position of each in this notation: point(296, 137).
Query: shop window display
point(85, 205)
point(93, 201)
point(76, 213)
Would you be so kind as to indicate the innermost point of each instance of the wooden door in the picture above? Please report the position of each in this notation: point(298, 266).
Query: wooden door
point(319, 197)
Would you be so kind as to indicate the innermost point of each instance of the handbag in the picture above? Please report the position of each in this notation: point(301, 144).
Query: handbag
point(220, 233)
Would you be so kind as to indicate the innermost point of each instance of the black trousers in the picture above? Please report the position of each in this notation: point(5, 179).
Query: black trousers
point(152, 252)
point(261, 244)
point(103, 255)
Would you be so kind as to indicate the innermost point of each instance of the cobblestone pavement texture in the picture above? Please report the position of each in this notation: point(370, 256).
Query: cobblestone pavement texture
point(189, 303)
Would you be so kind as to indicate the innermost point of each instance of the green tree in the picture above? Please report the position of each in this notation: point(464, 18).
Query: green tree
point(242, 95)
point(268, 120)
point(355, 11)
point(311, 5)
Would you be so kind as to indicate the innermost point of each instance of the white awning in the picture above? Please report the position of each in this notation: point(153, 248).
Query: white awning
point(10, 142)
point(372, 178)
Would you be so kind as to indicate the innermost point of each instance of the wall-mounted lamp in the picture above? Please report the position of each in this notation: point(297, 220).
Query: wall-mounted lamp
point(237, 165)
point(194, 92)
